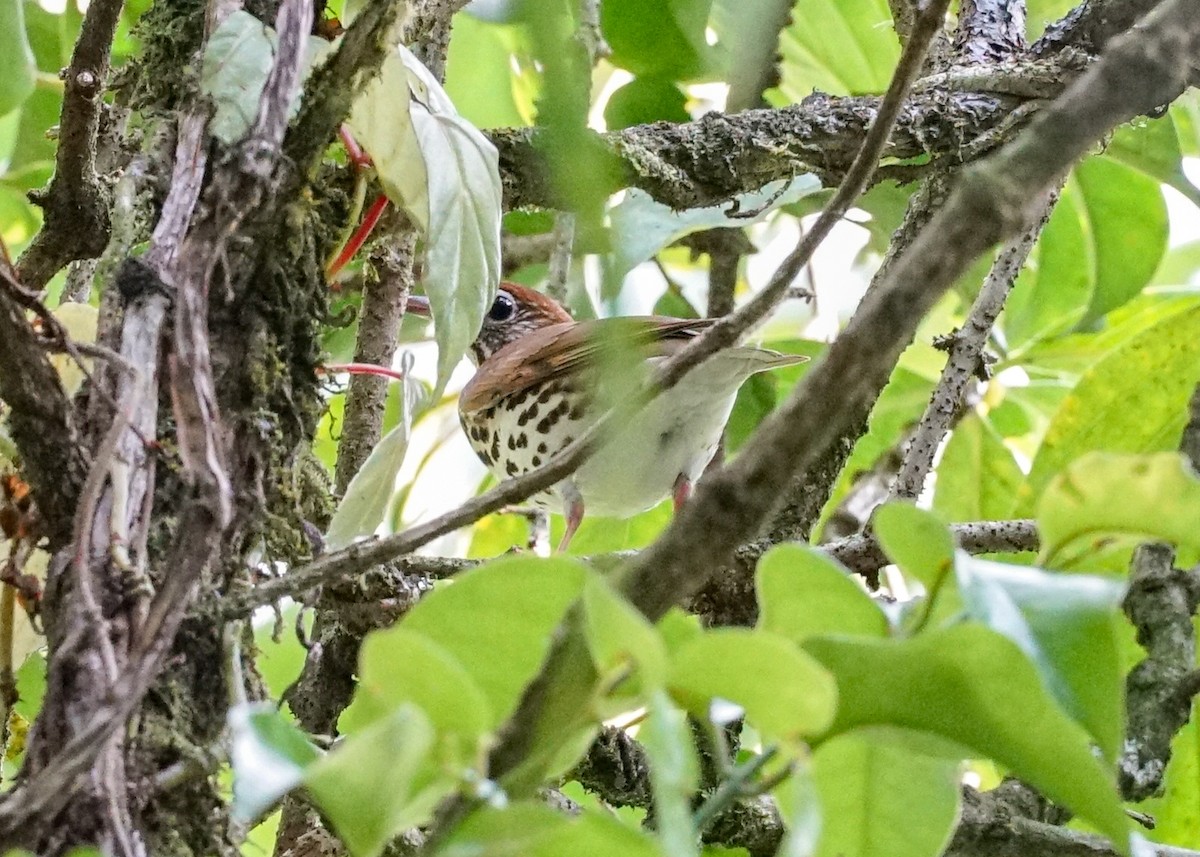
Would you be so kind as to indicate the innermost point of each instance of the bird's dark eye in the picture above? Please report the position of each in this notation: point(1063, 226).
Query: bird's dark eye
point(502, 309)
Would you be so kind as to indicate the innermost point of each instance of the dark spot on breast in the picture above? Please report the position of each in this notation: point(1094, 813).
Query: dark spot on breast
point(577, 411)
point(496, 446)
point(518, 399)
point(542, 447)
point(567, 441)
point(546, 393)
point(537, 461)
point(666, 437)
point(512, 442)
point(545, 423)
point(510, 467)
point(522, 441)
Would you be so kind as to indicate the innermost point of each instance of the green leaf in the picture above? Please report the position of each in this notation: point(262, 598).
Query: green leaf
point(803, 593)
point(379, 782)
point(535, 830)
point(641, 226)
point(969, 685)
point(619, 637)
point(1103, 495)
point(644, 100)
point(1127, 222)
point(674, 775)
point(268, 755)
point(498, 621)
point(364, 505)
point(1054, 288)
point(842, 47)
point(1151, 146)
point(398, 666)
point(880, 798)
point(917, 541)
point(445, 174)
point(783, 691)
point(977, 476)
point(1065, 625)
point(1114, 408)
point(20, 68)
point(663, 38)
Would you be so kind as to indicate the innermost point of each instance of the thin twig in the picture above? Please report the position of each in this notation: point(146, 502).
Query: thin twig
point(560, 256)
point(963, 361)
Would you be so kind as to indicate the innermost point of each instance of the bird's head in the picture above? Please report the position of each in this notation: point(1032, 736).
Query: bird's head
point(516, 311)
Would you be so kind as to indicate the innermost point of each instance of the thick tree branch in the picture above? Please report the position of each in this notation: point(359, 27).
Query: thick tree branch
point(40, 423)
point(992, 201)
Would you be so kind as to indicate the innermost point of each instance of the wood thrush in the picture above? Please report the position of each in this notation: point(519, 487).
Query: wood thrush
point(543, 379)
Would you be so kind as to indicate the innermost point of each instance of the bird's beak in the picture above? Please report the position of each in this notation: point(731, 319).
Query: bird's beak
point(419, 305)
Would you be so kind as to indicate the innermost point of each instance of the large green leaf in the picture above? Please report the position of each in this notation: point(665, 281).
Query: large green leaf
point(783, 691)
point(662, 38)
point(445, 174)
point(969, 685)
point(19, 71)
point(380, 781)
point(881, 799)
point(1065, 625)
point(398, 666)
point(977, 476)
point(1103, 495)
point(842, 47)
point(1117, 407)
point(803, 593)
point(498, 621)
point(1127, 224)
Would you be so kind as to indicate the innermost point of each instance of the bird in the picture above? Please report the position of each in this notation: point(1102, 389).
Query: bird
point(542, 379)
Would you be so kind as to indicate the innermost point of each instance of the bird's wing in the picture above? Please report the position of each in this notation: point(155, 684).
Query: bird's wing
point(558, 350)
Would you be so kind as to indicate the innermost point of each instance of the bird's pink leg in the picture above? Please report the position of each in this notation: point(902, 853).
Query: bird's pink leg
point(574, 516)
point(682, 492)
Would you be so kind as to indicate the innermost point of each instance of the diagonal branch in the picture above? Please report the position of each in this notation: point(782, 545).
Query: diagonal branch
point(1145, 68)
point(963, 360)
point(719, 336)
